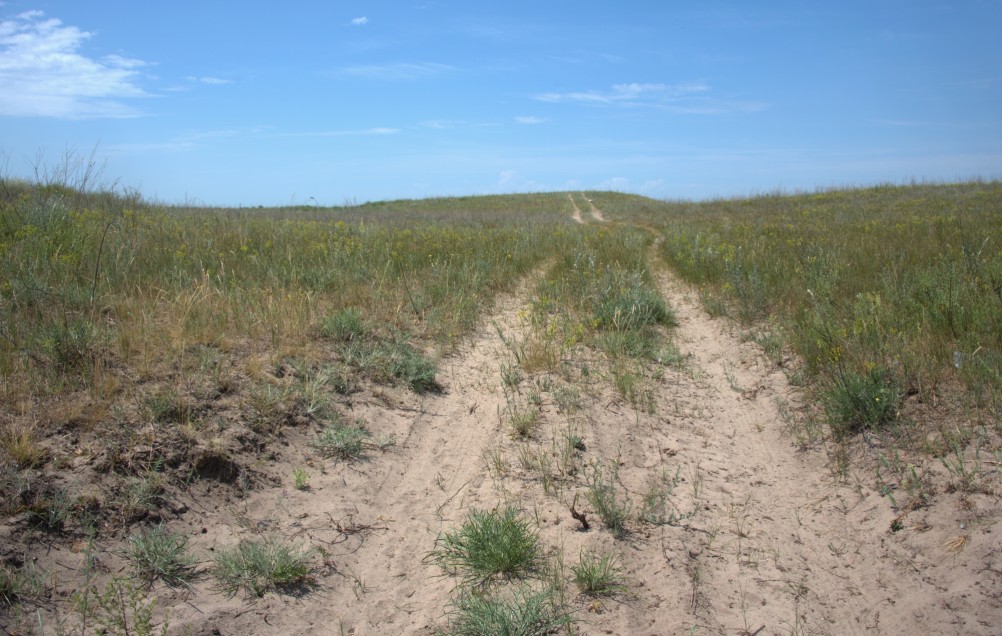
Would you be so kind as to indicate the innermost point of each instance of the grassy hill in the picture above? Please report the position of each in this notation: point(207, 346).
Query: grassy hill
point(147, 350)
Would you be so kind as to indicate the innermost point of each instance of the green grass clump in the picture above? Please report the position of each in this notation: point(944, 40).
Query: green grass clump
point(627, 302)
point(489, 545)
point(385, 360)
point(855, 401)
point(19, 583)
point(599, 575)
point(158, 553)
point(345, 325)
point(260, 566)
point(612, 507)
point(341, 441)
point(521, 612)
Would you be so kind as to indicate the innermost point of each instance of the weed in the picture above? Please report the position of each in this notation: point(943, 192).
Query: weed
point(22, 445)
point(158, 553)
point(599, 575)
point(256, 567)
point(489, 545)
point(855, 401)
point(568, 399)
point(965, 471)
point(494, 460)
point(120, 610)
point(270, 408)
point(609, 504)
point(301, 479)
point(654, 502)
point(139, 496)
point(523, 420)
point(344, 326)
point(20, 583)
point(71, 344)
point(511, 375)
point(341, 442)
point(521, 611)
point(392, 361)
point(52, 512)
point(168, 407)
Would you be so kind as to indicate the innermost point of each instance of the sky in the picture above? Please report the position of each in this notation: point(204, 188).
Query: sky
point(334, 102)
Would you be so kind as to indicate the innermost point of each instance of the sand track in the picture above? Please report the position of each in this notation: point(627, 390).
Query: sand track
point(761, 538)
point(376, 520)
point(576, 214)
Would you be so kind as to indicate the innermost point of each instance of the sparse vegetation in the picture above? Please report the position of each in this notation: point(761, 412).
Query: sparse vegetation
point(163, 364)
point(599, 575)
point(159, 554)
point(341, 441)
point(258, 566)
point(490, 545)
point(610, 502)
point(522, 612)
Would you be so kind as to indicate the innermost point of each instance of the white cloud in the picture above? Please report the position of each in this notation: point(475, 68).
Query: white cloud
point(531, 120)
point(618, 184)
point(362, 21)
point(631, 94)
point(43, 73)
point(400, 71)
point(653, 186)
point(511, 181)
point(450, 124)
point(342, 133)
point(214, 81)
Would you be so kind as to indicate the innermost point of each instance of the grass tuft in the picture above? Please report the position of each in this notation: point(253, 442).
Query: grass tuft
point(611, 506)
point(489, 545)
point(257, 567)
point(158, 553)
point(521, 612)
point(599, 575)
point(855, 401)
point(341, 442)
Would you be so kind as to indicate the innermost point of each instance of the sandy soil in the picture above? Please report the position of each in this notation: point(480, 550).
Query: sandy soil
point(576, 214)
point(595, 212)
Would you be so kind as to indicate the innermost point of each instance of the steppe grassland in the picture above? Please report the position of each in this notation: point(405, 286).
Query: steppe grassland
point(143, 337)
point(146, 338)
point(890, 298)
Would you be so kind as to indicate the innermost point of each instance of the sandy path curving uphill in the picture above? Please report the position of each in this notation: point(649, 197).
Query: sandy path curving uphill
point(595, 212)
point(776, 544)
point(576, 214)
point(376, 520)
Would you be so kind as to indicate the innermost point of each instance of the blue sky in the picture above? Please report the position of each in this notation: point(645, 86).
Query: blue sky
point(273, 103)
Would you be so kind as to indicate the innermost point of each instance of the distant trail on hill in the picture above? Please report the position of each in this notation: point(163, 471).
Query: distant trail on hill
point(595, 212)
point(576, 215)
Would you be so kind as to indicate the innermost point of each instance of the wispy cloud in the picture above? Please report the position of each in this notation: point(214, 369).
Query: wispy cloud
point(43, 73)
point(530, 120)
point(214, 81)
point(341, 133)
point(633, 94)
point(452, 124)
point(695, 98)
point(361, 21)
point(398, 71)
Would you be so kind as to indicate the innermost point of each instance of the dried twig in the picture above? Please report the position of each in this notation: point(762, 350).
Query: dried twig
point(580, 516)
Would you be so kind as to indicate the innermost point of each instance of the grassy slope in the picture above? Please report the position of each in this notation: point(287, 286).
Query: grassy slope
point(147, 343)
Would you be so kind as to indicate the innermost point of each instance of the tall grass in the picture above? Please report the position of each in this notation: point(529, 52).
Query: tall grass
point(91, 276)
point(879, 290)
